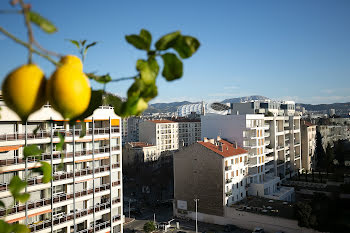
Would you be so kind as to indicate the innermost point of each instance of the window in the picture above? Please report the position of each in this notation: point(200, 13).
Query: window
point(236, 160)
point(240, 159)
point(237, 173)
point(232, 174)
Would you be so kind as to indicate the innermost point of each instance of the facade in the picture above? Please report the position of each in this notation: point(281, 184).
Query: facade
point(189, 130)
point(84, 196)
point(211, 170)
point(139, 152)
point(263, 140)
point(286, 108)
point(164, 134)
point(308, 145)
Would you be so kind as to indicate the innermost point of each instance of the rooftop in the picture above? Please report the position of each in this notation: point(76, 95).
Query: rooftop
point(222, 147)
point(140, 144)
point(162, 121)
point(308, 124)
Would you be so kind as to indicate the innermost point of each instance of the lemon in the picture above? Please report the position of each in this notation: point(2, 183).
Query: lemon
point(24, 90)
point(69, 91)
point(73, 61)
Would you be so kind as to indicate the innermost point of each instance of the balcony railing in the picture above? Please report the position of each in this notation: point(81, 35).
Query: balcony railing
point(47, 133)
point(56, 199)
point(227, 168)
point(228, 193)
point(67, 217)
point(63, 176)
point(56, 155)
point(100, 226)
point(228, 181)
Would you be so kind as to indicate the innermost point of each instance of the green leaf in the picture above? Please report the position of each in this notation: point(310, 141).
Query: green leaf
point(100, 78)
point(167, 41)
point(20, 228)
point(114, 101)
point(172, 67)
point(5, 227)
point(136, 88)
point(16, 186)
point(31, 150)
point(42, 22)
point(137, 41)
point(83, 42)
point(76, 43)
point(186, 46)
point(83, 129)
point(2, 204)
point(95, 102)
point(88, 46)
point(59, 146)
point(147, 37)
point(148, 69)
point(46, 171)
point(149, 92)
point(134, 106)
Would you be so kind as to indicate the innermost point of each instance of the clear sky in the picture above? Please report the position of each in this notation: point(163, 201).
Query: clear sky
point(295, 50)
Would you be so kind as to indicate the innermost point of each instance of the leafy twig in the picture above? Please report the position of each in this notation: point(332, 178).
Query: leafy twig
point(45, 50)
point(8, 34)
point(122, 79)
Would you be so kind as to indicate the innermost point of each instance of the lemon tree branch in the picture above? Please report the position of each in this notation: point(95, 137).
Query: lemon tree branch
point(8, 34)
point(29, 29)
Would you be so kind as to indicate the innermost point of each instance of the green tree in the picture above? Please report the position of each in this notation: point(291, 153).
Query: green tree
point(319, 152)
point(149, 227)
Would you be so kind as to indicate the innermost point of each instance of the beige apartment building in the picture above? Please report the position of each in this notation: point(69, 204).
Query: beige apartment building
point(308, 145)
point(164, 134)
point(189, 130)
point(86, 195)
point(212, 170)
point(139, 152)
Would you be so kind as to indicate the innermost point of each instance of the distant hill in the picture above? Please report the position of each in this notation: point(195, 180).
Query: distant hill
point(244, 99)
point(340, 108)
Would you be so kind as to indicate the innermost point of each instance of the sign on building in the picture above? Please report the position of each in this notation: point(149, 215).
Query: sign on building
point(182, 205)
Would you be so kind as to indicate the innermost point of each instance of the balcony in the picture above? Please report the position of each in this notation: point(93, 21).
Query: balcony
point(62, 176)
point(59, 219)
point(227, 168)
point(56, 199)
point(228, 193)
point(100, 226)
point(228, 181)
point(266, 134)
point(56, 155)
point(47, 133)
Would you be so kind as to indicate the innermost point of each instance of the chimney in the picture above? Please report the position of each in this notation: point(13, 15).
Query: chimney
point(235, 145)
point(218, 138)
point(212, 141)
point(205, 139)
point(220, 147)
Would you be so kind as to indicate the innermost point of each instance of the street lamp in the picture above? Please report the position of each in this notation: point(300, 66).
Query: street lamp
point(196, 200)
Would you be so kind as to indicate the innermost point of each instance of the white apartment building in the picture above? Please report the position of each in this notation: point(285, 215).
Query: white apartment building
point(212, 170)
point(189, 130)
point(86, 195)
point(162, 133)
point(308, 145)
point(251, 132)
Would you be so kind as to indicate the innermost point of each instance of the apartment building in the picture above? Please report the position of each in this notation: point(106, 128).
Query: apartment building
point(212, 170)
point(258, 137)
point(308, 145)
point(86, 195)
point(139, 152)
point(189, 130)
point(164, 134)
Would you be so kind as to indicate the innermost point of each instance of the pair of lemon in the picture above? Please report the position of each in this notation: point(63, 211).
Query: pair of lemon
point(25, 89)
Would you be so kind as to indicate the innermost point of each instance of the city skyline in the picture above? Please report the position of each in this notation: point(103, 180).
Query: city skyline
point(292, 50)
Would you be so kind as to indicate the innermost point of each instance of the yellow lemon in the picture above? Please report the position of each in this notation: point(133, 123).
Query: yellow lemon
point(24, 90)
point(69, 91)
point(73, 61)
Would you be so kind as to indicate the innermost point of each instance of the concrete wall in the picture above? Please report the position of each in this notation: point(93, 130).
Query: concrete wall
point(250, 221)
point(147, 132)
point(198, 173)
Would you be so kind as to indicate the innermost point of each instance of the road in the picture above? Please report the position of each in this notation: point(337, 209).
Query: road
point(165, 214)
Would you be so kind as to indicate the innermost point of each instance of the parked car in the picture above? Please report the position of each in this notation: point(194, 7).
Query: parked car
point(258, 230)
point(230, 228)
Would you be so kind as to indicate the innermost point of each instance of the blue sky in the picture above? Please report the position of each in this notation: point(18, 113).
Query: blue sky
point(296, 50)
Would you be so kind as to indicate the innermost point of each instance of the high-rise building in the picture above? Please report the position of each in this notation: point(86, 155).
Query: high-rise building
point(308, 145)
point(162, 133)
point(213, 171)
point(85, 195)
point(189, 130)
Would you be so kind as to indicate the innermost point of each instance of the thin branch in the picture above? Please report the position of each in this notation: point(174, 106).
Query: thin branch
point(27, 46)
point(29, 28)
point(122, 79)
point(45, 50)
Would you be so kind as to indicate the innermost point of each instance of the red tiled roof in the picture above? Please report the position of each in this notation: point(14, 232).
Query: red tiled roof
point(140, 144)
point(307, 123)
point(162, 121)
point(227, 148)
